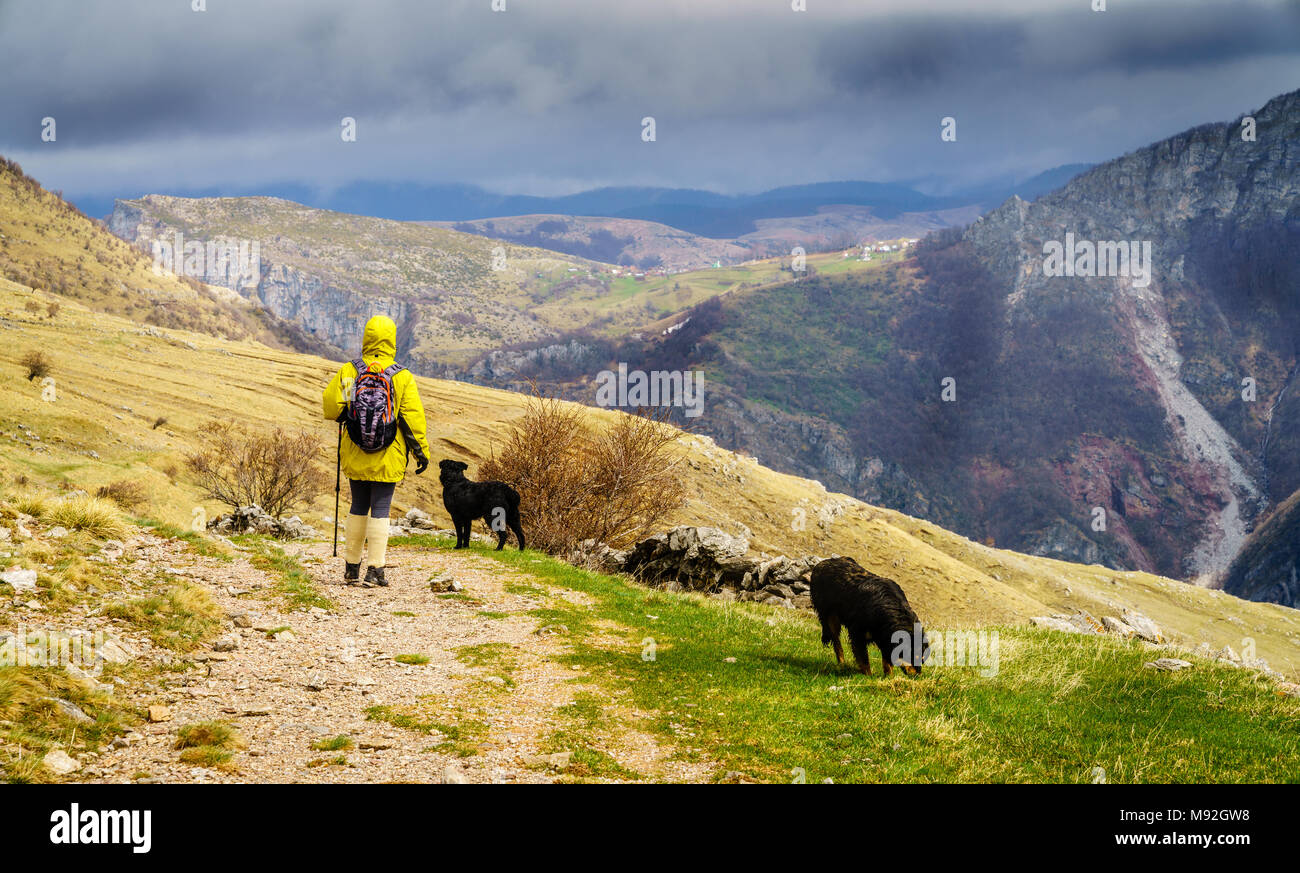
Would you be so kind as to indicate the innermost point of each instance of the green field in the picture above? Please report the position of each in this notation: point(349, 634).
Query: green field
point(751, 688)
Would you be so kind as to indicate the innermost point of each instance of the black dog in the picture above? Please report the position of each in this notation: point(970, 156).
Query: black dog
point(873, 608)
point(494, 502)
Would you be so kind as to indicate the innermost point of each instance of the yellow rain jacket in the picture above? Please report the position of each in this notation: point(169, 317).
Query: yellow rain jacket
point(379, 345)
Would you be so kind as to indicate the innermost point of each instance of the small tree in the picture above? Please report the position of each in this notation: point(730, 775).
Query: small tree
point(38, 366)
point(274, 469)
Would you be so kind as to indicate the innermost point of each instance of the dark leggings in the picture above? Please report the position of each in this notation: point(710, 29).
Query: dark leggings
point(371, 497)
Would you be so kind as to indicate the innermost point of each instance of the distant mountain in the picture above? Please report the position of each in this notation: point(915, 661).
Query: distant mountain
point(626, 241)
point(452, 294)
point(704, 213)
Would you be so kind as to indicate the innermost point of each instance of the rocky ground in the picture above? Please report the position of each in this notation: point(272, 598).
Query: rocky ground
point(288, 680)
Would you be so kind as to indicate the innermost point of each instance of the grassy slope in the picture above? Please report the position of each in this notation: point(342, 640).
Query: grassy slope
point(102, 363)
point(47, 244)
point(1056, 708)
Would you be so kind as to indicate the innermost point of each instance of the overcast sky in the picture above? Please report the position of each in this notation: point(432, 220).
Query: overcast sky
point(547, 97)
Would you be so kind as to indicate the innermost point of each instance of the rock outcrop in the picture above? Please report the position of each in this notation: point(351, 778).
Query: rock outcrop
point(254, 519)
point(707, 560)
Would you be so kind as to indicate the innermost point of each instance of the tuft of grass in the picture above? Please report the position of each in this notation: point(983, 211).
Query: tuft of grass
point(208, 733)
point(32, 503)
point(341, 743)
point(208, 757)
point(31, 724)
point(337, 761)
point(180, 619)
point(95, 515)
point(411, 659)
point(209, 744)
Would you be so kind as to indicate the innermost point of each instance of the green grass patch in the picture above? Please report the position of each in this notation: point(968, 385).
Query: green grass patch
point(201, 544)
point(295, 583)
point(461, 735)
point(1057, 707)
point(585, 725)
point(341, 743)
point(415, 659)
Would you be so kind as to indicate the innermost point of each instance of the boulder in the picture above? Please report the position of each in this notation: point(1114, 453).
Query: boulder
point(254, 519)
point(69, 710)
point(1057, 623)
point(1143, 627)
point(60, 763)
point(19, 579)
point(1117, 626)
point(1168, 665)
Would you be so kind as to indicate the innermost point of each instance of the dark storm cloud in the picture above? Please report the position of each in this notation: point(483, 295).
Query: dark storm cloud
point(549, 95)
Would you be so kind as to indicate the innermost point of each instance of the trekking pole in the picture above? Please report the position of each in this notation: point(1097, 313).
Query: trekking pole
point(338, 466)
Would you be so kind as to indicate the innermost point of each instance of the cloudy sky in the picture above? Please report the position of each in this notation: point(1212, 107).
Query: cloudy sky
point(547, 97)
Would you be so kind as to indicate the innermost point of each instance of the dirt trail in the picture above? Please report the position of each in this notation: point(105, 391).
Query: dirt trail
point(285, 694)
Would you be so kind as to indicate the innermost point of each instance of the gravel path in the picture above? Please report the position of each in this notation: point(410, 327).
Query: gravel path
point(286, 692)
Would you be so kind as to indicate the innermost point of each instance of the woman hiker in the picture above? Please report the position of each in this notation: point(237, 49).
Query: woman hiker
point(379, 405)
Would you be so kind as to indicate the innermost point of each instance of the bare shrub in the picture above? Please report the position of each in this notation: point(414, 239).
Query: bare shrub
point(613, 483)
point(159, 422)
point(126, 493)
point(37, 365)
point(52, 308)
point(275, 469)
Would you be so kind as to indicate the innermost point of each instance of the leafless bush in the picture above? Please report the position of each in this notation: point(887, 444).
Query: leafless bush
point(276, 469)
point(52, 308)
point(613, 484)
point(38, 366)
point(126, 493)
point(159, 422)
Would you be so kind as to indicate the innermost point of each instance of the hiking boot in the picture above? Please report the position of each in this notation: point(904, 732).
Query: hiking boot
point(375, 576)
point(351, 573)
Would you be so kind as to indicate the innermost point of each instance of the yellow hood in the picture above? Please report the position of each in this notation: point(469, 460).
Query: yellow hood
point(380, 339)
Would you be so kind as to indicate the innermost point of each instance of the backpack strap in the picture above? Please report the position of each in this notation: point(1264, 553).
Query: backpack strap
point(360, 367)
point(392, 370)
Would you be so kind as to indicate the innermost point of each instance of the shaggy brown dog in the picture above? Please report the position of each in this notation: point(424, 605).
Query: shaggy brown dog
point(494, 502)
point(874, 609)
